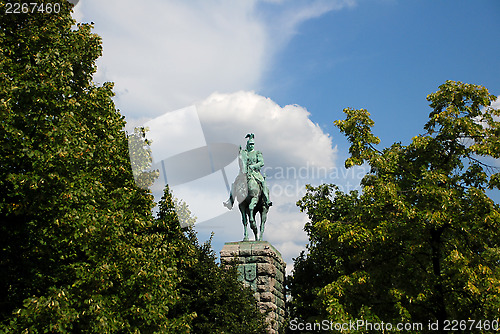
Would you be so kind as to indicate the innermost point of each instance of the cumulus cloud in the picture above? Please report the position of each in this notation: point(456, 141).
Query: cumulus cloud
point(286, 230)
point(296, 152)
point(496, 104)
point(285, 135)
point(77, 13)
point(166, 54)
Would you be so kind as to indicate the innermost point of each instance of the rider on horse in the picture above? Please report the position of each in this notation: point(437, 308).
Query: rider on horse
point(251, 161)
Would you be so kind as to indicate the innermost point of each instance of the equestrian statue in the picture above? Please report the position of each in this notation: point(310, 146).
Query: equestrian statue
point(250, 189)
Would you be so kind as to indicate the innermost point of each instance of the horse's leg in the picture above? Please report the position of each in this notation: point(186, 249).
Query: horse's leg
point(263, 217)
point(251, 214)
point(254, 227)
point(244, 220)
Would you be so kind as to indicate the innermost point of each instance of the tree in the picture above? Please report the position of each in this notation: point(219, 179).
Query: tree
point(211, 292)
point(421, 241)
point(76, 248)
point(80, 249)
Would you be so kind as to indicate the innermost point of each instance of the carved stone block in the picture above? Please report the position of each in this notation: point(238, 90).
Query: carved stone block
point(262, 269)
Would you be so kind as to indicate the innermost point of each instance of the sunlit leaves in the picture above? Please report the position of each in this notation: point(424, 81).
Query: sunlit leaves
point(421, 240)
point(357, 128)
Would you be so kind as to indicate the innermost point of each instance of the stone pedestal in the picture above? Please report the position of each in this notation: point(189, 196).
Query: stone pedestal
point(260, 267)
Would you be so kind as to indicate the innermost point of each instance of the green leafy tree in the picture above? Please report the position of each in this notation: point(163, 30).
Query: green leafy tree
point(141, 158)
point(80, 249)
point(217, 296)
point(77, 251)
point(212, 294)
point(421, 241)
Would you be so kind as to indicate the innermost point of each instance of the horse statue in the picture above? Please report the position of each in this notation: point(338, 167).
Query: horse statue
point(251, 190)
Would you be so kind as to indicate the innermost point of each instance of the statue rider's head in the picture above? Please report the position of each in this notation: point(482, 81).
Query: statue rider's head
point(250, 142)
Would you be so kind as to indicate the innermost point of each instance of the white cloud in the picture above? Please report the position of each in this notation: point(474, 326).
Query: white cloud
point(496, 104)
point(285, 135)
point(165, 55)
point(290, 250)
point(296, 12)
point(286, 231)
point(77, 13)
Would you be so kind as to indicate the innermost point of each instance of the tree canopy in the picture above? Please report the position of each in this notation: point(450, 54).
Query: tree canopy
point(420, 241)
point(80, 247)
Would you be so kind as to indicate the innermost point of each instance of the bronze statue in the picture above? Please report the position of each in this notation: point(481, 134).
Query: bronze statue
point(251, 189)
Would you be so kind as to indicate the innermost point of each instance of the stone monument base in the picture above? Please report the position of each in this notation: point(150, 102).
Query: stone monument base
point(261, 268)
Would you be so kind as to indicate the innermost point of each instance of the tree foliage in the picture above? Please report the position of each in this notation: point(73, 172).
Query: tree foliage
point(80, 249)
point(421, 241)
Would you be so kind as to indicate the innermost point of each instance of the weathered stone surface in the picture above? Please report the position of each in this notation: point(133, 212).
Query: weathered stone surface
point(259, 259)
point(265, 280)
point(280, 302)
point(266, 269)
point(278, 294)
point(262, 288)
point(246, 249)
point(267, 297)
point(261, 268)
point(267, 306)
point(230, 251)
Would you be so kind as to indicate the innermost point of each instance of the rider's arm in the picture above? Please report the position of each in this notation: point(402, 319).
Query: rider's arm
point(260, 162)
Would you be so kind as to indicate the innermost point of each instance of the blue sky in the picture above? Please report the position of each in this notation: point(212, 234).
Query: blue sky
point(285, 70)
point(386, 56)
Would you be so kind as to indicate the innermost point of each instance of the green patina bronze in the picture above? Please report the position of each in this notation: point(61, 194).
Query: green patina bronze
point(250, 189)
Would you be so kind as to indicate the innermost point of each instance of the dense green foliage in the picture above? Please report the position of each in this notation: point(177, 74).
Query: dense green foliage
point(80, 249)
point(421, 241)
point(213, 294)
